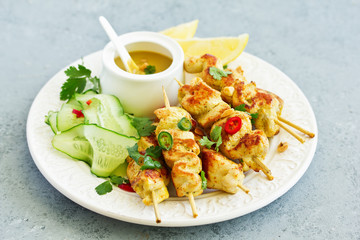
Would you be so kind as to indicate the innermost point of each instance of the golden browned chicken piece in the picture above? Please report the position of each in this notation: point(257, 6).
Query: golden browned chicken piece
point(144, 182)
point(202, 102)
point(236, 91)
point(182, 157)
point(246, 144)
point(222, 173)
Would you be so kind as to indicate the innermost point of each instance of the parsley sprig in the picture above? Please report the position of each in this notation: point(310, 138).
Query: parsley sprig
point(242, 108)
point(215, 135)
point(143, 126)
point(107, 186)
point(217, 73)
point(150, 69)
point(78, 79)
point(148, 163)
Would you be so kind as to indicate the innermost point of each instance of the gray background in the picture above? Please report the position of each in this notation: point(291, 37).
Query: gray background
point(316, 43)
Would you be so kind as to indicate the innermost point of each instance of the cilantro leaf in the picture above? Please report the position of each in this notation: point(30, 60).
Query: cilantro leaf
point(72, 86)
point(143, 126)
point(134, 153)
point(149, 163)
point(104, 188)
point(216, 136)
point(253, 117)
point(150, 69)
point(206, 142)
point(81, 72)
point(218, 143)
point(216, 133)
point(154, 151)
point(203, 180)
point(218, 73)
point(76, 82)
point(225, 66)
point(118, 180)
point(241, 108)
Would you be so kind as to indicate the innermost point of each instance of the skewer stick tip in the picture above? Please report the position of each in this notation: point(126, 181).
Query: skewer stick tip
point(157, 214)
point(264, 169)
point(180, 83)
point(192, 204)
point(166, 99)
point(310, 134)
point(245, 189)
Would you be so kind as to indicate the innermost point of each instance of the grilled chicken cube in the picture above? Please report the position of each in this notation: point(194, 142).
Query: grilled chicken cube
point(245, 144)
point(169, 118)
point(202, 102)
point(221, 173)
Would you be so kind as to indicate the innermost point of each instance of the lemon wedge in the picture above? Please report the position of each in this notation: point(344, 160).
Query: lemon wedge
point(182, 31)
point(225, 48)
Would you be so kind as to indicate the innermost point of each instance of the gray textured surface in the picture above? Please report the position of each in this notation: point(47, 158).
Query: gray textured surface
point(316, 43)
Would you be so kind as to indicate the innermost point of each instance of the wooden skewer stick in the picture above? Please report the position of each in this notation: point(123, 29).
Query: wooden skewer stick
point(242, 187)
point(157, 214)
point(264, 168)
point(310, 134)
point(166, 100)
point(180, 83)
point(191, 197)
point(192, 204)
point(300, 139)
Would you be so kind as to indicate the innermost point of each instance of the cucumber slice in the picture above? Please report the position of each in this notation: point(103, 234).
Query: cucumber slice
point(52, 121)
point(66, 119)
point(106, 111)
point(103, 149)
point(127, 128)
point(73, 143)
point(121, 170)
point(90, 92)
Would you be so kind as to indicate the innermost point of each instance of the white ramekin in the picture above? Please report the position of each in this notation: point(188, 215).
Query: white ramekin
point(142, 94)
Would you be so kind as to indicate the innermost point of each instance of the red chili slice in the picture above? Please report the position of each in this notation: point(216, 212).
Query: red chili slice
point(233, 125)
point(126, 187)
point(89, 102)
point(78, 113)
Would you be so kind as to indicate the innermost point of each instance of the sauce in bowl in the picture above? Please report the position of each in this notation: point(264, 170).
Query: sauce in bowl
point(148, 62)
point(141, 94)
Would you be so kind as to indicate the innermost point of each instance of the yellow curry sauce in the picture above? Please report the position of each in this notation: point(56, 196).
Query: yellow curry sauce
point(144, 59)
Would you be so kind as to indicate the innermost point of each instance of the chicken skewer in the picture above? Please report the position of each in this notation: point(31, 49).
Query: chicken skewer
point(221, 173)
point(182, 154)
point(236, 91)
point(149, 184)
point(206, 106)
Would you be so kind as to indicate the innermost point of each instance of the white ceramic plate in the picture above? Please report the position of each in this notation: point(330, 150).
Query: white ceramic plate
point(73, 178)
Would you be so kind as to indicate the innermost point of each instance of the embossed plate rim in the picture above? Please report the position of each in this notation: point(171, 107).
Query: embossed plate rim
point(127, 206)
